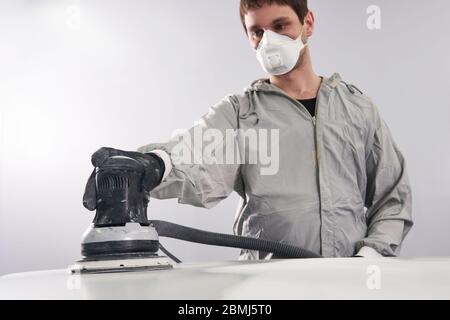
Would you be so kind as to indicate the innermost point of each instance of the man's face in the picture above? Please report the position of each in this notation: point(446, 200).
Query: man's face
point(277, 18)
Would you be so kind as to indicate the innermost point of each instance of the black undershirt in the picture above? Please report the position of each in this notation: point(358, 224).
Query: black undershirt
point(310, 104)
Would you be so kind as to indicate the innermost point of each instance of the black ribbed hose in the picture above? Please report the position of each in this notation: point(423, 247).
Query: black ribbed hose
point(280, 250)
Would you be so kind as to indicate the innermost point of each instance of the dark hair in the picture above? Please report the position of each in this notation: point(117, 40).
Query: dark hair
point(299, 6)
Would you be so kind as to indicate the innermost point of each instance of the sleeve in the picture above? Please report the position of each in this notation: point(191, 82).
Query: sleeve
point(201, 171)
point(388, 195)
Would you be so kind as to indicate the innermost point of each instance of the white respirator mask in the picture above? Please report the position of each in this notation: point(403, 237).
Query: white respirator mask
point(279, 54)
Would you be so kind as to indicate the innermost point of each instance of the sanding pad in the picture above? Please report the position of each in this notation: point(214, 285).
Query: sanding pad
point(119, 263)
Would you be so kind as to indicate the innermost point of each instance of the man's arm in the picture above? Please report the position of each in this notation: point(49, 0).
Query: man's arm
point(388, 196)
point(198, 183)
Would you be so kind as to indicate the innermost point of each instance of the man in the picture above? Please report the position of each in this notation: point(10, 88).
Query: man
point(341, 188)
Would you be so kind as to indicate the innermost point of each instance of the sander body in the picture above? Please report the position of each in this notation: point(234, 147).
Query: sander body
point(121, 238)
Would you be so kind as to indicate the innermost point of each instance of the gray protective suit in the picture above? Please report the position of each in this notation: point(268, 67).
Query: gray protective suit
point(342, 182)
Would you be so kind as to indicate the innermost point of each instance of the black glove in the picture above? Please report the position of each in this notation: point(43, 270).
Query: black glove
point(153, 172)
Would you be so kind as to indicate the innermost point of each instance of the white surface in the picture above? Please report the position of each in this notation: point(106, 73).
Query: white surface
point(425, 278)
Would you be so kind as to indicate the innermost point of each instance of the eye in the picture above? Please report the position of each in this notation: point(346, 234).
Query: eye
point(279, 27)
point(257, 34)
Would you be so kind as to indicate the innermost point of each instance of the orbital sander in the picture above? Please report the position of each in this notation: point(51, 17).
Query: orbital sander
point(121, 238)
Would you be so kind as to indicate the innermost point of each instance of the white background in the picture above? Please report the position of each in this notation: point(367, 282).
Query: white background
point(128, 73)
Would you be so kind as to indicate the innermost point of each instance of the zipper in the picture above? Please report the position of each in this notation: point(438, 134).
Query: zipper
point(316, 145)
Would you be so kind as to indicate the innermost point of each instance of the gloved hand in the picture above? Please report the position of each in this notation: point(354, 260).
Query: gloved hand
point(153, 172)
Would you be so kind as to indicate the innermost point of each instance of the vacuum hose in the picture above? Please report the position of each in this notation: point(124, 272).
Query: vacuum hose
point(280, 250)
